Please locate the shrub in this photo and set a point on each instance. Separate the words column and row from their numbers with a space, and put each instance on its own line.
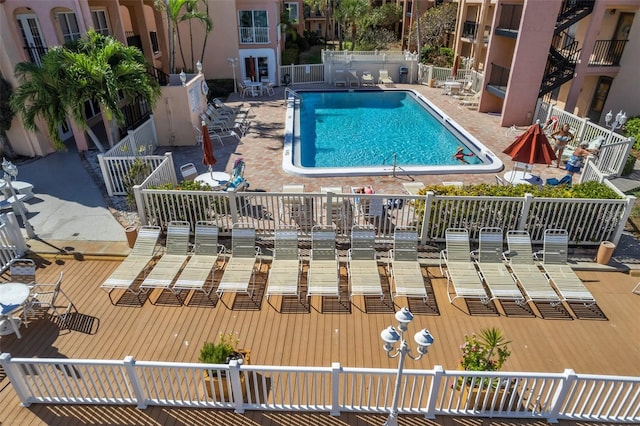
column 218, row 353
column 290, row 56
column 630, row 164
column 487, row 352
column 632, row 130
column 137, row 173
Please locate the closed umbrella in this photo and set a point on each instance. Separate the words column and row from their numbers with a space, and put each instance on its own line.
column 252, row 69
column 208, row 159
column 531, row 147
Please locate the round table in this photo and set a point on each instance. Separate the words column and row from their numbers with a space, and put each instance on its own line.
column 11, row 295
column 213, row 179
column 520, row 177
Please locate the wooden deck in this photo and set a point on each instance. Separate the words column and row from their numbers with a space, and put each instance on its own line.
column 603, row 340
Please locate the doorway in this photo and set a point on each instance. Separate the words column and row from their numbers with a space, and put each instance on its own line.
column 599, row 99
column 32, row 37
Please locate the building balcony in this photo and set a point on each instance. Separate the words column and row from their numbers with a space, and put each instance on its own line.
column 254, row 35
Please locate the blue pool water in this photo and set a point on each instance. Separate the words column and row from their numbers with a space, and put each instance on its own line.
column 376, row 132
column 351, row 129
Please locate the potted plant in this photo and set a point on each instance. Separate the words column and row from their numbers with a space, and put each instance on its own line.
column 222, row 352
column 485, row 352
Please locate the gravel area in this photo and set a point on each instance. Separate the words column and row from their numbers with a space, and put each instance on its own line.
column 117, row 205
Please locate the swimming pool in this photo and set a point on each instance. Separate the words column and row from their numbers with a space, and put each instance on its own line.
column 368, row 132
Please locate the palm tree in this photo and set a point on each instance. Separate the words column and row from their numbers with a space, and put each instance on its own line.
column 95, row 67
column 6, row 116
column 178, row 11
column 349, row 13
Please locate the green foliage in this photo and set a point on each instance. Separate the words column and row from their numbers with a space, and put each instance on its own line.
column 630, row 164
column 189, row 207
column 290, row 56
column 137, row 173
column 436, row 24
column 487, row 352
column 218, row 353
column 219, row 88
column 375, row 38
column 632, row 130
column 592, row 190
column 438, row 56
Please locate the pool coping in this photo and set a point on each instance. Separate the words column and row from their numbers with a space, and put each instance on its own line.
column 491, row 162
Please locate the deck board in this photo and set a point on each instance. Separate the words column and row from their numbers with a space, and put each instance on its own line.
column 313, row 337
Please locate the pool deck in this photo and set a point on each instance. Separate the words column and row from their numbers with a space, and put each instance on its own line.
column 262, row 146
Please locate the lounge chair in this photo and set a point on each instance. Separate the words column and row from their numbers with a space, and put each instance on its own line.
column 337, row 208
column 294, row 209
column 339, row 78
column 463, row 280
column 241, row 268
column 367, row 79
column 284, row 274
column 354, row 80
column 471, row 100
column 404, row 269
column 384, row 77
column 323, row 276
column 364, row 279
column 369, row 208
column 412, row 188
column 203, row 261
column 533, row 282
column 490, row 262
column 554, row 263
column 167, row 268
column 135, row 264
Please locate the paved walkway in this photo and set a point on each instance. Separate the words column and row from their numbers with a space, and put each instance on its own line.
column 68, row 211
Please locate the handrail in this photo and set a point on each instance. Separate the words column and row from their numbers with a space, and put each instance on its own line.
column 395, row 161
column 292, row 92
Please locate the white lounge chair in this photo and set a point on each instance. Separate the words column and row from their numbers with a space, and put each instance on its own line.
column 135, row 264
column 384, row 77
column 354, row 80
column 490, row 262
column 367, row 78
column 463, row 280
column 284, row 274
column 404, row 269
column 533, row 282
column 203, row 261
column 364, row 278
column 167, row 268
column 339, row 78
column 554, row 263
column 241, row 268
column 323, row 275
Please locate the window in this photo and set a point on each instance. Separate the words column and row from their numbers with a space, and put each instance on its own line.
column 154, row 41
column 68, row 26
column 253, row 26
column 293, row 12
column 33, row 42
column 100, row 23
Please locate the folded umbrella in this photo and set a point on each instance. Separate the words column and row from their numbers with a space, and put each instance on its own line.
column 531, row 147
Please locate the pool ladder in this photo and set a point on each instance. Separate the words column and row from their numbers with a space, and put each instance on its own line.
column 291, row 92
column 395, row 161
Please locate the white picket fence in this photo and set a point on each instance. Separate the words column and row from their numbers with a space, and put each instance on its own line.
column 335, row 389
column 12, row 243
column 588, row 221
column 116, row 163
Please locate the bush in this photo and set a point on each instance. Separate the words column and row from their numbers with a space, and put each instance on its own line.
column 290, row 56
column 632, row 130
column 440, row 57
column 220, row 88
column 630, row 164
column 218, row 353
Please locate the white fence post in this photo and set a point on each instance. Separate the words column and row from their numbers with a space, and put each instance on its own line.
column 561, row 395
column 130, row 368
column 13, row 229
column 623, row 220
column 336, row 371
column 106, row 176
column 438, row 374
column 528, row 199
column 236, row 386
column 426, row 218
column 172, row 169
column 137, row 194
column 15, row 374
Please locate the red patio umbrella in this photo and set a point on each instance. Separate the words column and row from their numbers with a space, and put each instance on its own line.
column 208, row 158
column 456, row 65
column 251, row 69
column 531, row 147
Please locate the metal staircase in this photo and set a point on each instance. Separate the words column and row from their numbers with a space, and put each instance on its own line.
column 564, row 51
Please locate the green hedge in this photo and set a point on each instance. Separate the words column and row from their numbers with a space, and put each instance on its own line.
column 630, row 164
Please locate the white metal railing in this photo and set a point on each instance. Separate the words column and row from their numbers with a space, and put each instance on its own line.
column 12, row 243
column 250, row 35
column 588, row 221
column 335, row 389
